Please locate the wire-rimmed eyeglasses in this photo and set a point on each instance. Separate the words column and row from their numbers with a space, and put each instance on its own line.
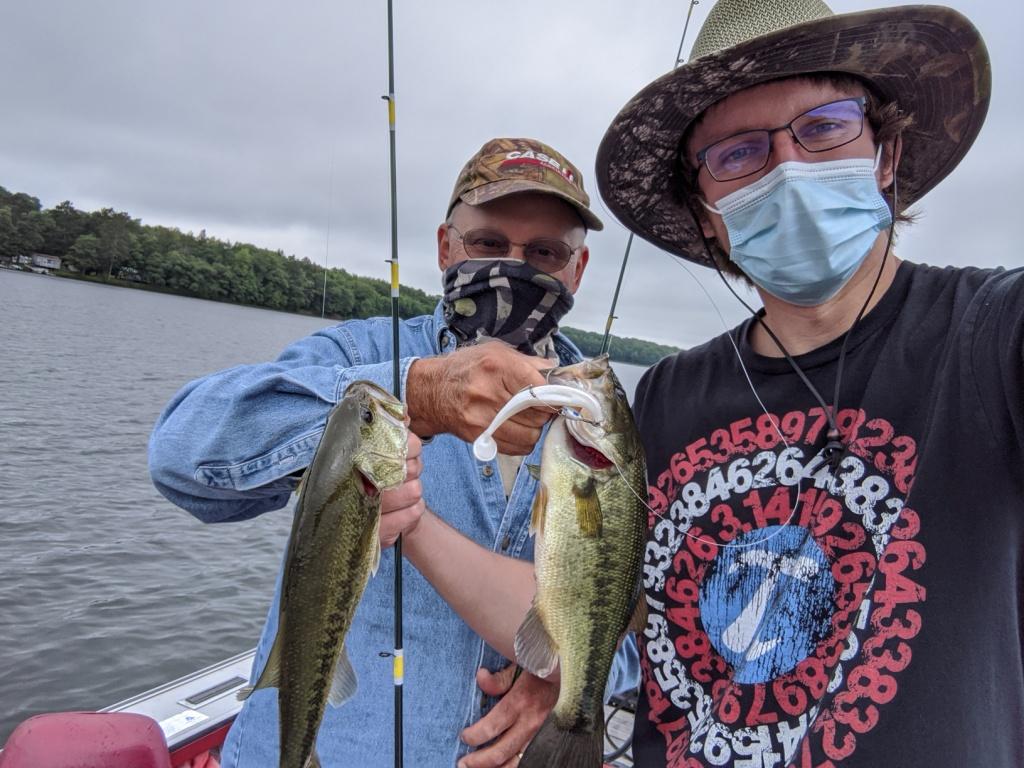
column 547, row 254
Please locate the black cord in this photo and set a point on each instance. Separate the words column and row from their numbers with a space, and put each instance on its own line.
column 618, row 750
column 834, row 449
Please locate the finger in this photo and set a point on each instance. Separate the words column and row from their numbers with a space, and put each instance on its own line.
column 413, row 469
column 490, row 726
column 496, row 683
column 534, row 417
column 515, row 436
column 414, row 447
column 503, row 751
column 396, row 523
column 408, row 494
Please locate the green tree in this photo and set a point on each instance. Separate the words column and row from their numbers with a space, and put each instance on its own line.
column 66, row 225
column 86, row 254
column 116, row 231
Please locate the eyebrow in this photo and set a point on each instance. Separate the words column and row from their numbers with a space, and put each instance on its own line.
column 727, row 134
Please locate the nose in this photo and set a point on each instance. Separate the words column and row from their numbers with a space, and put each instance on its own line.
column 784, row 148
column 516, row 251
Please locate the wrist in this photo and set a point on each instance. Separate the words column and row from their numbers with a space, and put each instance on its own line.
column 421, row 388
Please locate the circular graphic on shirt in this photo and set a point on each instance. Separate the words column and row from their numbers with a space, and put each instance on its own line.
column 766, row 603
column 782, row 590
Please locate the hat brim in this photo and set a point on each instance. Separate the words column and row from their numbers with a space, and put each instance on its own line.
column 495, row 189
column 929, row 59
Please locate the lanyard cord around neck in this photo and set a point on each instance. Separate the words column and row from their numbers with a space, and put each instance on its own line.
column 834, row 449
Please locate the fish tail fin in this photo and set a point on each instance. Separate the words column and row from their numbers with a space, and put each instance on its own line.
column 553, row 747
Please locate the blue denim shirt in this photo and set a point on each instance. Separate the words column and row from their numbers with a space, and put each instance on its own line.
column 227, row 448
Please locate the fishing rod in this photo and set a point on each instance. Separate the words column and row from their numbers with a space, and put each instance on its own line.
column 606, row 342
column 398, row 661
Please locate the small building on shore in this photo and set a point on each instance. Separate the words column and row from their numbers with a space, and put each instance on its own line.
column 45, row 262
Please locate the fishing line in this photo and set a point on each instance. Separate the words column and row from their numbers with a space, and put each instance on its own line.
column 607, row 340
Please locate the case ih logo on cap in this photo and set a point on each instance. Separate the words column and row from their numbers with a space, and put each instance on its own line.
column 529, row 157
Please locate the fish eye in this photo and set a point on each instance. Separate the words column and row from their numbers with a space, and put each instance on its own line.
column 367, row 416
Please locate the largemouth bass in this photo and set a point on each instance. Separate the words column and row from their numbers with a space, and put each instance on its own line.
column 590, row 521
column 332, row 551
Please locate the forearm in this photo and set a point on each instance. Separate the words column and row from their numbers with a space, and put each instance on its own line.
column 231, row 445
column 491, row 592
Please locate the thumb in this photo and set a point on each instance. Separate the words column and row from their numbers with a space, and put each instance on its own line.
column 496, row 683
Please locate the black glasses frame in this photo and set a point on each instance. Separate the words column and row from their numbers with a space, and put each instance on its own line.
column 702, row 155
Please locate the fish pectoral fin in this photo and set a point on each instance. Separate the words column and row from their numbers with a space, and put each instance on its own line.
column 375, row 553
column 588, row 508
column 344, row 684
column 313, row 761
column 301, row 485
column 534, row 470
column 270, row 677
column 540, row 504
column 535, row 650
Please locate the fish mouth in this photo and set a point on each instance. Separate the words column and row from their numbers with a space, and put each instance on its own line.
column 587, row 454
column 369, row 489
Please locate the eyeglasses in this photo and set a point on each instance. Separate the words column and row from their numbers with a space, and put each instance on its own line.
column 818, row 130
column 545, row 253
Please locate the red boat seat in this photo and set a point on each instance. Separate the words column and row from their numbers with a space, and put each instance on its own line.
column 86, row 740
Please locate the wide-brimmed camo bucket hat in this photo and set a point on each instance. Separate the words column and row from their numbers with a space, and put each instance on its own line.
column 930, row 60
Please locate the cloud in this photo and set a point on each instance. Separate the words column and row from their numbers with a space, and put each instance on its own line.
column 262, row 121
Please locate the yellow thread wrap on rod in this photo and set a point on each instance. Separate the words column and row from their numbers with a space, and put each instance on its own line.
column 394, row 277
column 391, row 110
column 398, row 671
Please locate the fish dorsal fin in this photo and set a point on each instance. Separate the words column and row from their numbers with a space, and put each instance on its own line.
column 534, row 470
column 535, row 650
column 540, row 505
column 588, row 508
column 270, row 677
column 344, row 684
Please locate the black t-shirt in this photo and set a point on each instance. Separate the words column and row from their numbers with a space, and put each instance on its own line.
column 877, row 622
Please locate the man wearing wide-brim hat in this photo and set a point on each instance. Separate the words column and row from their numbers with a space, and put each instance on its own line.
column 833, row 575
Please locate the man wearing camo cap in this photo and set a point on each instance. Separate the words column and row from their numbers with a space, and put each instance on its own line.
column 233, row 444
column 834, row 570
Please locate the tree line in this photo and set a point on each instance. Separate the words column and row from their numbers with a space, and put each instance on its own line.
column 113, row 246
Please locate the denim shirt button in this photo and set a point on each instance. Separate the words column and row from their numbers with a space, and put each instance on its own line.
column 488, row 470
column 506, row 542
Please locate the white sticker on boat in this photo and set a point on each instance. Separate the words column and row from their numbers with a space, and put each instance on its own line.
column 179, row 722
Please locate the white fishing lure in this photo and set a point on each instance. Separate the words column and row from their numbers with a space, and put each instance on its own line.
column 554, row 395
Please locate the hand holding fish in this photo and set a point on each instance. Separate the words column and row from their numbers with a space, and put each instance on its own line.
column 460, row 393
column 402, row 507
column 525, row 702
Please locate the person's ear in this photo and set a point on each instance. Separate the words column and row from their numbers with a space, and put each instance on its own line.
column 889, row 162
column 444, row 245
column 580, row 268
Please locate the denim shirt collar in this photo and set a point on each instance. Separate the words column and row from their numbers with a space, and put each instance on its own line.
column 444, row 340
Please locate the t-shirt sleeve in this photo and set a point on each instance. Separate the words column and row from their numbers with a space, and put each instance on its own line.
column 996, row 358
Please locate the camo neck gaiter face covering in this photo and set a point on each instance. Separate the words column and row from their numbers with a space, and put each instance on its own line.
column 504, row 299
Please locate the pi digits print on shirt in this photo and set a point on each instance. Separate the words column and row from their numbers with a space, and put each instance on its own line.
column 776, row 638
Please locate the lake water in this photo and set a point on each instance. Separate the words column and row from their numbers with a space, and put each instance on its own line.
column 106, row 588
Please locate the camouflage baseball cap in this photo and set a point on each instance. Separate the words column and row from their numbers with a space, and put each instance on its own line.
column 510, row 166
column 930, row 60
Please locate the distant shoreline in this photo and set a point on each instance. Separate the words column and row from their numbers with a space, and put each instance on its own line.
column 588, row 342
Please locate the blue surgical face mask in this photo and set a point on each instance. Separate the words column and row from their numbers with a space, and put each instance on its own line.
column 802, row 230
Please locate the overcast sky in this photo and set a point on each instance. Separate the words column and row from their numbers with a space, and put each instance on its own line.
column 262, row 122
